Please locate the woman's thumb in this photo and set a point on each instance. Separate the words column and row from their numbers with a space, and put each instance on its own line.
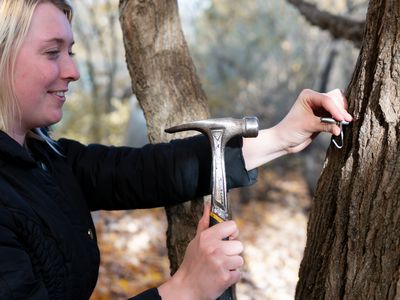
column 204, row 222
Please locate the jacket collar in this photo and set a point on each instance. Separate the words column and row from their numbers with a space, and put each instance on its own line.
column 11, row 150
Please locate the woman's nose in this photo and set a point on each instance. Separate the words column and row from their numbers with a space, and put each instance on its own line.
column 70, row 70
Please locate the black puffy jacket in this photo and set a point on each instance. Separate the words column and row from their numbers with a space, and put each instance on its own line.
column 48, row 247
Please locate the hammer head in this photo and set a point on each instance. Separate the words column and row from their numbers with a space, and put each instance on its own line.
column 246, row 127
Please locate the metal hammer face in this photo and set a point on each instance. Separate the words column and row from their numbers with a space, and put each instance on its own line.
column 219, row 132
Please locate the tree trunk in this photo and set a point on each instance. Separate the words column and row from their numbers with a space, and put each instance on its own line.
column 353, row 246
column 165, row 82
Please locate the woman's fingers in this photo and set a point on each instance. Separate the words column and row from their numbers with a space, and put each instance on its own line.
column 338, row 98
column 211, row 260
column 228, row 230
column 332, row 103
column 234, row 262
column 235, row 235
column 231, row 247
column 320, row 126
column 235, row 276
column 225, row 230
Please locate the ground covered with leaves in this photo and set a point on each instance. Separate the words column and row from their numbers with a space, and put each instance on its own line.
column 272, row 217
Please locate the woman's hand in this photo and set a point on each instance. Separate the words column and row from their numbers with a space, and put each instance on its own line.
column 303, row 122
column 298, row 128
column 210, row 263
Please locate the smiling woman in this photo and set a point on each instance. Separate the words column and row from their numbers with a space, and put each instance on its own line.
column 45, row 61
column 48, row 244
column 18, row 64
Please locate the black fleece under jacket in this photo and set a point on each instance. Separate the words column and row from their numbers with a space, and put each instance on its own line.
column 48, row 245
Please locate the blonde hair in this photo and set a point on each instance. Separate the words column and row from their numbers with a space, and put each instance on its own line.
column 15, row 19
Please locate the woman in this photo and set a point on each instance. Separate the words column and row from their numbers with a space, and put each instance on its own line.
column 48, row 246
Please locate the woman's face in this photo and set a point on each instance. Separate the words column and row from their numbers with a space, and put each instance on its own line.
column 44, row 68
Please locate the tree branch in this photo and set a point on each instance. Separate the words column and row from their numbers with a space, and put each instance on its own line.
column 338, row 26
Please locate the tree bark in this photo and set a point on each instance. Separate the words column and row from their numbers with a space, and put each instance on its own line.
column 353, row 245
column 165, row 82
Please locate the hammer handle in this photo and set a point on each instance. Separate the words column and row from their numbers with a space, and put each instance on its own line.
column 229, row 293
column 213, row 221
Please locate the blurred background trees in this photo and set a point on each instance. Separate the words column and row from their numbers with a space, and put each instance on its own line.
column 253, row 58
column 99, row 107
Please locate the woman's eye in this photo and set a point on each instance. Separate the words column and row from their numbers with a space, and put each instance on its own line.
column 53, row 54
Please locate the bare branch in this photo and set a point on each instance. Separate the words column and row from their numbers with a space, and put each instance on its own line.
column 338, row 26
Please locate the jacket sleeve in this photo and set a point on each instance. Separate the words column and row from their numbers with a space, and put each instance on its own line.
column 155, row 175
column 17, row 280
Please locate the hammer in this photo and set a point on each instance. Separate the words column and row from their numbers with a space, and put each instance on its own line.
column 219, row 132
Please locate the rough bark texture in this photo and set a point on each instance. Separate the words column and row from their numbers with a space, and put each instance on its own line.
column 338, row 26
column 353, row 246
column 167, row 87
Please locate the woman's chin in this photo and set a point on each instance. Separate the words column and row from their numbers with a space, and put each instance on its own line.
column 57, row 116
column 54, row 119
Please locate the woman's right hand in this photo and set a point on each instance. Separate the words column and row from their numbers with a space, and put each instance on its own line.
column 210, row 264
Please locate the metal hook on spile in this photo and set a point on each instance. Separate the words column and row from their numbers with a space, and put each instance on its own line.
column 340, row 124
